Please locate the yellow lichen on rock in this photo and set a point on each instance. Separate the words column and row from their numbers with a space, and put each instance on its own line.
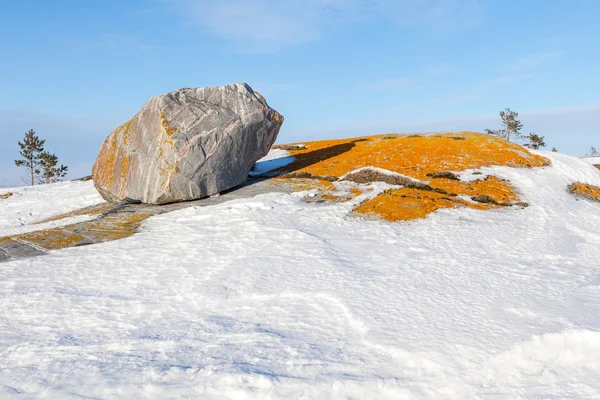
column 586, row 191
column 407, row 204
column 123, row 226
column 102, row 230
column 52, row 239
column 499, row 190
column 166, row 125
column 125, row 132
column 429, row 158
column 411, row 155
column 105, row 164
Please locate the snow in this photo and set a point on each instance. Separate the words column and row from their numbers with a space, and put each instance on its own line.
column 30, row 204
column 47, row 225
column 274, row 298
column 592, row 160
column 276, row 158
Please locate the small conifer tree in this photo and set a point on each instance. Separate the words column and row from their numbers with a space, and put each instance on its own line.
column 31, row 149
column 50, row 172
column 511, row 129
column 535, row 141
column 593, row 152
column 41, row 165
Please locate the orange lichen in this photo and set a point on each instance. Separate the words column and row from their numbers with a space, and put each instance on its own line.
column 298, row 184
column 105, row 164
column 412, row 155
column 166, row 125
column 105, row 229
column 104, row 168
column 356, row 192
column 125, row 132
column 425, row 157
column 52, row 239
column 497, row 189
column 119, row 227
column 406, row 204
column 586, row 191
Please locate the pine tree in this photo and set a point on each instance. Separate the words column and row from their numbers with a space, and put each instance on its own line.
column 555, row 150
column 593, row 152
column 31, row 149
column 535, row 141
column 50, row 172
column 511, row 126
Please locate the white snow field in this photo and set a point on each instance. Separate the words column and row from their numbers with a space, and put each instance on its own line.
column 30, row 204
column 275, row 298
column 592, row 160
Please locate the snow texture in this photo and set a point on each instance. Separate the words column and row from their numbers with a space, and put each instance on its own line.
column 30, row 204
column 276, row 158
column 592, row 160
column 274, row 298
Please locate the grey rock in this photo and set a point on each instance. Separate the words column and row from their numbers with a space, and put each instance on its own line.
column 186, row 145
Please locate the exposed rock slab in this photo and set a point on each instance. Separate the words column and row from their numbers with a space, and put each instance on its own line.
column 186, row 145
column 115, row 221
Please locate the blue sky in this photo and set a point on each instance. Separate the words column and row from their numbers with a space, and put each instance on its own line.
column 74, row 70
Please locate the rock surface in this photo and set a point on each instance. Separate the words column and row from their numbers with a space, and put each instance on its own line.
column 186, row 145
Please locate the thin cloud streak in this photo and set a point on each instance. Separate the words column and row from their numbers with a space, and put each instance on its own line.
column 267, row 25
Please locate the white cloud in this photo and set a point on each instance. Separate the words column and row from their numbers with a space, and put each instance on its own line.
column 271, row 24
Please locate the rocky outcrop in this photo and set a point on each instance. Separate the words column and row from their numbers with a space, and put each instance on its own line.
column 186, row 145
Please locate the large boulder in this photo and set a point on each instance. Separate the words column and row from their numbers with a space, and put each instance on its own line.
column 186, row 145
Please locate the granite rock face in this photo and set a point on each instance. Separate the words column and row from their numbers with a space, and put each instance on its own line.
column 186, row 145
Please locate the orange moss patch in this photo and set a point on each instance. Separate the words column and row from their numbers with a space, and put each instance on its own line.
column 424, row 157
column 586, row 191
column 412, row 155
column 497, row 189
column 356, row 192
column 406, row 204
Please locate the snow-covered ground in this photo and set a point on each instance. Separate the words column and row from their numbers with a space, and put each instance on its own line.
column 30, row 204
column 592, row 160
column 271, row 298
column 276, row 158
